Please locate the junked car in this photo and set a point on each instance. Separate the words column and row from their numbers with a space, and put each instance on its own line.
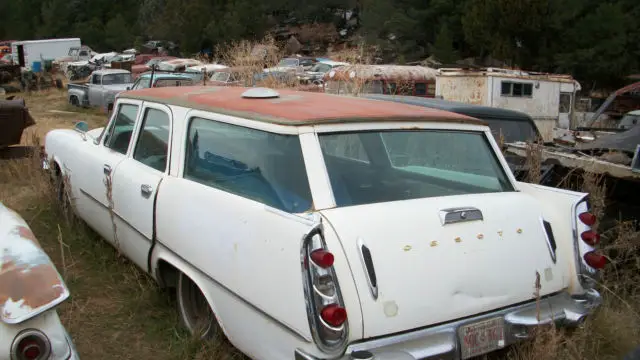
column 14, row 118
column 138, row 69
column 178, row 64
column 398, row 231
column 30, row 290
column 101, row 89
column 316, row 73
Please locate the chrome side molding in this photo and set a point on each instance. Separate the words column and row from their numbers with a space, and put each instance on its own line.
column 367, row 264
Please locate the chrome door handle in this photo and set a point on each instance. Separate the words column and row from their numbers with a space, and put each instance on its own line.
column 145, row 190
column 107, row 169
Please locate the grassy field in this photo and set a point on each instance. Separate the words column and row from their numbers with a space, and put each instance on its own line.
column 116, row 311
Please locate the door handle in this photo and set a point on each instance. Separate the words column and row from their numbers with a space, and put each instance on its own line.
column 107, row 169
column 145, row 190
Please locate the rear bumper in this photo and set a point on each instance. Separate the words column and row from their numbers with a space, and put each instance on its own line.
column 442, row 342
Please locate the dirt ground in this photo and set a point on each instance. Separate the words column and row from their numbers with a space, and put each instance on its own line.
column 117, row 312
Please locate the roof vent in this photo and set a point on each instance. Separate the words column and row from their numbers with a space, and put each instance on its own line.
column 260, row 93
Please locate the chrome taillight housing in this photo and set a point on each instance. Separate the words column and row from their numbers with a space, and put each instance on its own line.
column 30, row 345
column 325, row 307
column 588, row 259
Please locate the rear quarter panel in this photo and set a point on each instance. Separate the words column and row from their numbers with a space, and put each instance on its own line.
column 557, row 206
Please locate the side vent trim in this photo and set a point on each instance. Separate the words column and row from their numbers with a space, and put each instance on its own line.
column 367, row 263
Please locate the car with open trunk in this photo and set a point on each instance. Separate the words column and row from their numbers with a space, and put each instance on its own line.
column 313, row 226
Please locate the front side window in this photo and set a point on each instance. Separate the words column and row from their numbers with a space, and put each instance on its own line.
column 412, row 164
column 141, row 83
column 257, row 165
column 221, row 76
column 119, row 134
column 153, row 142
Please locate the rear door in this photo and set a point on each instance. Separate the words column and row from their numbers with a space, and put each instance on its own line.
column 136, row 182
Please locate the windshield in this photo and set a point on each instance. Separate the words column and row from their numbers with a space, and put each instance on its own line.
column 628, row 121
column 392, row 165
column 319, row 67
column 220, row 76
column 288, row 63
column 113, row 79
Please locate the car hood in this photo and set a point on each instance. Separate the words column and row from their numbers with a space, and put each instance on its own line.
column 29, row 282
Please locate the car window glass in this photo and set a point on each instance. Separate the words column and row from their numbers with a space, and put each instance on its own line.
column 153, row 142
column 258, row 165
column 119, row 136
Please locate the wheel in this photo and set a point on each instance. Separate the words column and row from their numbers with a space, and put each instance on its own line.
column 194, row 310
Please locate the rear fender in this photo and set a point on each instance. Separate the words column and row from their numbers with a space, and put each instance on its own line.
column 558, row 206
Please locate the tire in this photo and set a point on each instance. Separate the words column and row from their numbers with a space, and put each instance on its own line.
column 194, row 310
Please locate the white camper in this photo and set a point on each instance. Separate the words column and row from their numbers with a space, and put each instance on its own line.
column 548, row 98
column 40, row 50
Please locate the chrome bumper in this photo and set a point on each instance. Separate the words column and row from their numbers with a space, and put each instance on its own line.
column 441, row 341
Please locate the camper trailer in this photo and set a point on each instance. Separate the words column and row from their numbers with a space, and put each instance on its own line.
column 548, row 98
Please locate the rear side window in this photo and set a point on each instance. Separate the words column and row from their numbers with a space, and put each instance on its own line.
column 119, row 134
column 254, row 164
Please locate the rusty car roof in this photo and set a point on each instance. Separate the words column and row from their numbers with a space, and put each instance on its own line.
column 389, row 72
column 292, row 107
column 29, row 282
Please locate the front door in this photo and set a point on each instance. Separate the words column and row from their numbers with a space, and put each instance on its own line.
column 94, row 90
column 96, row 167
column 136, row 182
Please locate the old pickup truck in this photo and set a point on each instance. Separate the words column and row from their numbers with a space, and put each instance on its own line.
column 101, row 89
column 312, row 226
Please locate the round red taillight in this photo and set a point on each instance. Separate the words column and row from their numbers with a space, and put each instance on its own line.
column 587, row 218
column 590, row 237
column 595, row 260
column 322, row 258
column 29, row 349
column 334, row 315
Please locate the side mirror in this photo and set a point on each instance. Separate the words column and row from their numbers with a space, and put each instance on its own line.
column 82, row 126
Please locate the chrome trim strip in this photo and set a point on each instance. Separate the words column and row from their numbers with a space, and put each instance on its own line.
column 460, row 214
column 442, row 341
column 373, row 288
column 546, row 236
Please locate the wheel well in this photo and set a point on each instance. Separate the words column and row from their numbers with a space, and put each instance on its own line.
column 72, row 98
column 167, row 274
column 110, row 107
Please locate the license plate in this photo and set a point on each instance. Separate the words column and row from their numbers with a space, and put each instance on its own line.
column 481, row 337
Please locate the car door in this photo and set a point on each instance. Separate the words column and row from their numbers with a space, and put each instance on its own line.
column 94, row 89
column 136, row 181
column 95, row 168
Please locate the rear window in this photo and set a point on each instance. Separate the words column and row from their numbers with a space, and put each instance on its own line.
column 379, row 166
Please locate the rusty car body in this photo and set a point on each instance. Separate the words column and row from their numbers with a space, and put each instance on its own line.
column 381, row 79
column 14, row 118
column 30, row 290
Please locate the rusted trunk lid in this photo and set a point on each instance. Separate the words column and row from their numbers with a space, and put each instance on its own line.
column 29, row 282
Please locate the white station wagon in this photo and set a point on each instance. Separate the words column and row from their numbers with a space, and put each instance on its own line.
column 313, row 226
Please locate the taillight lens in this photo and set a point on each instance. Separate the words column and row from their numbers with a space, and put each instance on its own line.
column 334, row 315
column 595, row 260
column 322, row 258
column 590, row 237
column 31, row 345
column 587, row 218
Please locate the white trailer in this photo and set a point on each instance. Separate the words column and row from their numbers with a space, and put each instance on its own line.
column 548, row 98
column 40, row 50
